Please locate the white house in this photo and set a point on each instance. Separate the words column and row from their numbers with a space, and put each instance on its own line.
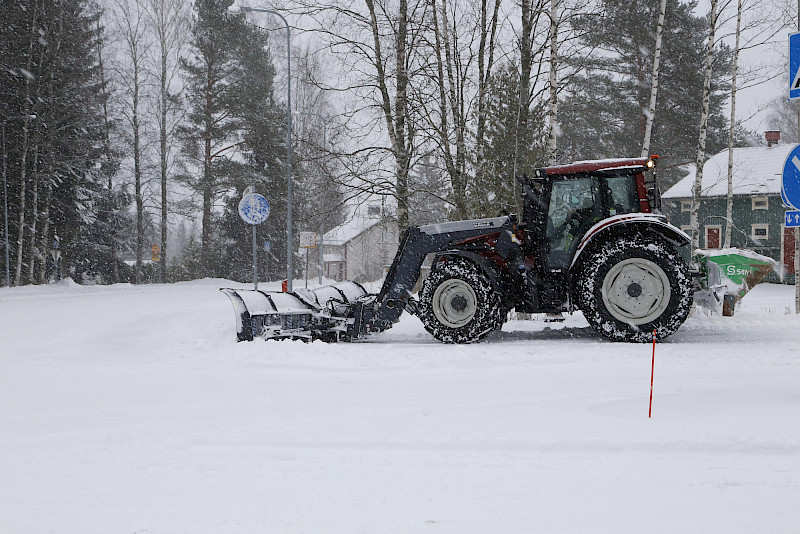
column 363, row 248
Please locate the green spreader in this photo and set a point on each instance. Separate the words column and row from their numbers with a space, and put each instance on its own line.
column 727, row 275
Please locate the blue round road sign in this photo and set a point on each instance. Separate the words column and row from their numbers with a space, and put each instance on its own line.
column 253, row 209
column 790, row 186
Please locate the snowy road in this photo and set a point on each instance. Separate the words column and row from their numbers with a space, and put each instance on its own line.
column 130, row 409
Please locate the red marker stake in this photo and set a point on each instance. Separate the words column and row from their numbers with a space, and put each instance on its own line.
column 652, row 369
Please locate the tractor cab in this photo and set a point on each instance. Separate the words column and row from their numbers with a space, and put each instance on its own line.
column 564, row 202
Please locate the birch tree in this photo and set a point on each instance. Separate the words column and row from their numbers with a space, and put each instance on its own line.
column 760, row 28
column 486, row 61
column 552, row 113
column 450, row 81
column 26, row 118
column 396, row 113
column 731, row 129
column 651, row 111
column 169, row 22
column 697, row 189
column 131, row 69
column 377, row 45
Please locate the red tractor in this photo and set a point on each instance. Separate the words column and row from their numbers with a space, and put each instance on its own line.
column 590, row 240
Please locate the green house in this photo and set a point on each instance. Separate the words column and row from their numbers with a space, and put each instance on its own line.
column 758, row 212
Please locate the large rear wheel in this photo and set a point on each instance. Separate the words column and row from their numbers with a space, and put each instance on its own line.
column 632, row 287
column 458, row 303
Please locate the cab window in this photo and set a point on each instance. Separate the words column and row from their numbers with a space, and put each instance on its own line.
column 622, row 195
column 575, row 206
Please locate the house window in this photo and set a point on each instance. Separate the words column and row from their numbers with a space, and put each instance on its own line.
column 686, row 205
column 760, row 203
column 687, row 230
column 374, row 211
column 759, row 232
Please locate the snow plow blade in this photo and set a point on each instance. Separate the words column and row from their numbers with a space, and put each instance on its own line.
column 327, row 313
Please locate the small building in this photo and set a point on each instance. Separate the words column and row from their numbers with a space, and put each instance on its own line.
column 363, row 248
column 758, row 212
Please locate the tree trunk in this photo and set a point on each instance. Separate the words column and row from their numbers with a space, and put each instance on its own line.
column 137, row 172
column 523, row 111
column 459, row 200
column 107, row 147
column 731, row 129
column 459, row 177
column 26, row 118
column 485, row 64
column 208, row 193
column 701, row 142
column 395, row 115
column 33, row 251
column 654, row 86
column 162, row 127
column 552, row 113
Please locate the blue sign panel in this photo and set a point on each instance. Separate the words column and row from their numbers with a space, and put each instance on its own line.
column 792, row 219
column 794, row 66
column 790, row 186
column 253, row 209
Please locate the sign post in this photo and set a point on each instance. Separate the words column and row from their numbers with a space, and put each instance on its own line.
column 794, row 93
column 790, row 194
column 254, row 210
column 308, row 240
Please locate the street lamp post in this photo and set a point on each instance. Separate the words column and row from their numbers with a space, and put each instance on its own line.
column 5, row 191
column 237, row 10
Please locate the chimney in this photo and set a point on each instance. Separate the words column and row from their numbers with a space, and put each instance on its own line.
column 772, row 136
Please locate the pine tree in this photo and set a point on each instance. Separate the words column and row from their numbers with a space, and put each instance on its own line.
column 49, row 51
column 209, row 135
column 235, row 136
column 263, row 140
column 496, row 194
column 603, row 111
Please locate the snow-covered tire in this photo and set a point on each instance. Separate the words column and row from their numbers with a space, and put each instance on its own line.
column 631, row 287
column 458, row 304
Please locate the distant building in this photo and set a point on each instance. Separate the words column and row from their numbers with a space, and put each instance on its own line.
column 758, row 212
column 363, row 248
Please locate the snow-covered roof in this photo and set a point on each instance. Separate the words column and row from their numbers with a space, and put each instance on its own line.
column 349, row 230
column 756, row 171
column 362, row 218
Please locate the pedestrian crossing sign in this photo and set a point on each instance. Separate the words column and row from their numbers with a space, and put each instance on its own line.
column 794, row 65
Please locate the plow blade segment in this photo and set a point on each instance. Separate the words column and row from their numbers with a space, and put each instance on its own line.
column 269, row 314
column 304, row 314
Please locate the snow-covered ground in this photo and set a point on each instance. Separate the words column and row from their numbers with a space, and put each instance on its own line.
column 131, row 409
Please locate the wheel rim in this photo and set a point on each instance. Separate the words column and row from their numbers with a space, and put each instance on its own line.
column 454, row 303
column 636, row 291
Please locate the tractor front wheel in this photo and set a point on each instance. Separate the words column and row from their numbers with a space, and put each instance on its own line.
column 632, row 287
column 458, row 304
